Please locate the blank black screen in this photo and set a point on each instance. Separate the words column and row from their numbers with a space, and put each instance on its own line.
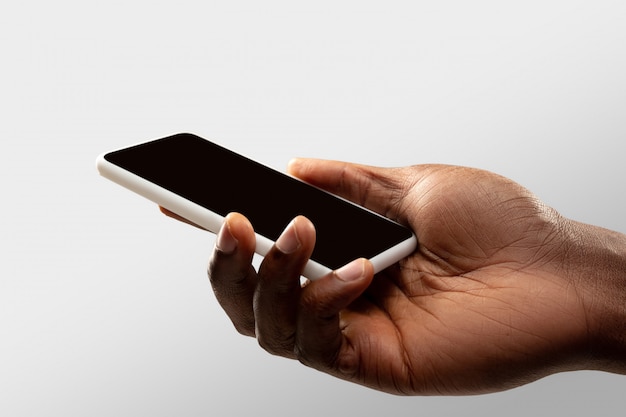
column 223, row 181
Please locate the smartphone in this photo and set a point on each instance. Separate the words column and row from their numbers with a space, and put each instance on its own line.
column 203, row 182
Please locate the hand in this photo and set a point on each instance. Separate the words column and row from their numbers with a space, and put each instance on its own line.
column 494, row 297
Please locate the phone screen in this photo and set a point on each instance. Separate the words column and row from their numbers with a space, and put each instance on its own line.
column 223, row 182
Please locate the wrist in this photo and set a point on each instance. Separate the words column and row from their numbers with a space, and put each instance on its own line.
column 598, row 262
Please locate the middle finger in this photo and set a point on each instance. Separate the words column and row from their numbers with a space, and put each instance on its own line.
column 278, row 290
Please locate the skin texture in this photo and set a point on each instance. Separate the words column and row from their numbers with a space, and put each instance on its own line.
column 501, row 291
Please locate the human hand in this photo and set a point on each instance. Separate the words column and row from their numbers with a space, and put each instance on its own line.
column 495, row 296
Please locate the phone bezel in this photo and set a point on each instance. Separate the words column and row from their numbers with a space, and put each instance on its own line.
column 213, row 221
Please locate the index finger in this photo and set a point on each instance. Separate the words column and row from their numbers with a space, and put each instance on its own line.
column 231, row 273
column 175, row 216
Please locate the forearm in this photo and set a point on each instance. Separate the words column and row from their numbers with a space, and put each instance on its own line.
column 599, row 258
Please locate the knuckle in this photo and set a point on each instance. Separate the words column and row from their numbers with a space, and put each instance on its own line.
column 314, row 305
column 303, row 356
column 245, row 328
column 284, row 348
column 321, row 359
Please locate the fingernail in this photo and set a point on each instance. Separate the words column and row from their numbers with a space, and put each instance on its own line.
column 352, row 271
column 225, row 242
column 288, row 241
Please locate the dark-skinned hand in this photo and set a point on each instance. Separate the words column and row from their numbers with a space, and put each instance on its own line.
column 501, row 291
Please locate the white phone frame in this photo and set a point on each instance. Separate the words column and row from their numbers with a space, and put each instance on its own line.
column 212, row 221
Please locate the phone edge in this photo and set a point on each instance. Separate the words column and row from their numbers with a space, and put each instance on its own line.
column 191, row 211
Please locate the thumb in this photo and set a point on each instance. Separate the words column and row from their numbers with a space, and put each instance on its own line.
column 378, row 189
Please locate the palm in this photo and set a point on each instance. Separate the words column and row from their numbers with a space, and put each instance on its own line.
column 484, row 304
column 476, row 298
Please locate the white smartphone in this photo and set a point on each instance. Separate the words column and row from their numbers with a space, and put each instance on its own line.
column 203, row 182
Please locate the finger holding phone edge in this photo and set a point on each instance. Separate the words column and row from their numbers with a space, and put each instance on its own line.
column 320, row 341
column 278, row 290
column 231, row 273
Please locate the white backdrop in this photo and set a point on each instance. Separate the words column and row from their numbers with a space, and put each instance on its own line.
column 105, row 308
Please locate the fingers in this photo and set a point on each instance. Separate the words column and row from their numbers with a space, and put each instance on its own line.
column 177, row 217
column 264, row 304
column 378, row 189
column 320, row 341
column 286, row 318
column 278, row 289
column 231, row 273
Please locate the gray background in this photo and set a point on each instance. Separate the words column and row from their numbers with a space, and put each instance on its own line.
column 105, row 308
